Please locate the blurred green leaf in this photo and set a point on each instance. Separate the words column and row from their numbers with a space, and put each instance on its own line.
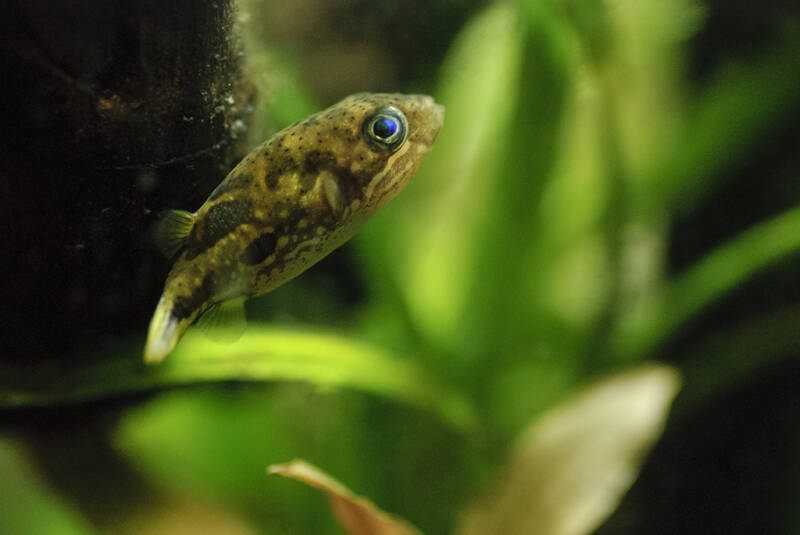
column 537, row 226
column 430, row 245
column 645, row 77
column 289, row 101
column 517, row 237
column 720, row 126
column 644, row 326
column 626, row 92
column 185, row 516
column 27, row 506
column 730, row 359
column 262, row 354
column 569, row 470
column 212, row 443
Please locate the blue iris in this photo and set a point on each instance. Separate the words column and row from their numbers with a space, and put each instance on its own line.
column 385, row 127
column 385, row 130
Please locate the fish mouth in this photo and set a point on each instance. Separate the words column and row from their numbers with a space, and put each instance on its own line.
column 436, row 118
column 435, row 112
column 438, row 112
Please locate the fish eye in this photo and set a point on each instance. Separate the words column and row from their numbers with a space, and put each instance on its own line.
column 386, row 129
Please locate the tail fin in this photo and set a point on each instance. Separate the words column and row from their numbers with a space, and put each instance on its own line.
column 164, row 332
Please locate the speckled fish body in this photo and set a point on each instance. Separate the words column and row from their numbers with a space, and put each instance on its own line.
column 290, row 202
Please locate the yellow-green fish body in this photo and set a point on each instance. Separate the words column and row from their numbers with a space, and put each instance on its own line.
column 288, row 203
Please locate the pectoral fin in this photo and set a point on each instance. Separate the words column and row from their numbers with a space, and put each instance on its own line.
column 172, row 231
column 224, row 322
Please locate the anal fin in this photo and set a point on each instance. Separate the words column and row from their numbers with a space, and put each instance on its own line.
column 224, row 322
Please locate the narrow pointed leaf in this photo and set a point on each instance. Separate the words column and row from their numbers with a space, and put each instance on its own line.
column 429, row 248
column 647, row 324
column 28, row 506
column 262, row 354
column 357, row 514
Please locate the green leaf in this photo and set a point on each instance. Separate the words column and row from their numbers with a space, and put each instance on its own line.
column 624, row 94
column 653, row 319
column 570, row 469
column 741, row 104
column 27, row 505
column 262, row 354
column 734, row 358
column 429, row 243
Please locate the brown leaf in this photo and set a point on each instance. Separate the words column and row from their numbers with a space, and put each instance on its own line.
column 570, row 469
column 357, row 514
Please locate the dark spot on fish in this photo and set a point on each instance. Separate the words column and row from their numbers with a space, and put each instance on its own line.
column 282, row 165
column 259, row 249
column 363, row 176
column 220, row 220
column 224, row 217
column 271, row 178
column 185, row 306
column 350, row 184
column 315, row 161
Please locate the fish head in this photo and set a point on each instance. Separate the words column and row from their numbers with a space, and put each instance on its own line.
column 374, row 143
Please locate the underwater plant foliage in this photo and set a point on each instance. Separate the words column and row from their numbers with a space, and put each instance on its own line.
column 608, row 220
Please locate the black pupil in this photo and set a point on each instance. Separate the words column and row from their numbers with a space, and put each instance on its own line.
column 384, row 127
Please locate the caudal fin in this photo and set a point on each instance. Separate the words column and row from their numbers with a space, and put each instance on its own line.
column 164, row 332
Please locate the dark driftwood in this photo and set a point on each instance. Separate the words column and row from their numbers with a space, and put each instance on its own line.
column 111, row 112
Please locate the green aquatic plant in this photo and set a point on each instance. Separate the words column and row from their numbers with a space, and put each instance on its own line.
column 527, row 257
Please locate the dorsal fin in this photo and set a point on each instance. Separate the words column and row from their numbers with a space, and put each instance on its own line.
column 172, row 231
column 224, row 322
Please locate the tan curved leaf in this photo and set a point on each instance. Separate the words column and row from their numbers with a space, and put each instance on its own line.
column 570, row 468
column 357, row 514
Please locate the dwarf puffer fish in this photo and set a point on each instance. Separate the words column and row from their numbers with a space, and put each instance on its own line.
column 287, row 204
